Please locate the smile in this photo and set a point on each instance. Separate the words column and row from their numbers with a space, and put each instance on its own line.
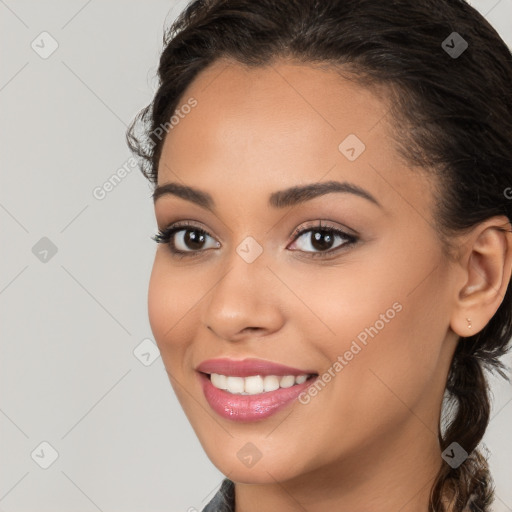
column 255, row 384
column 242, row 406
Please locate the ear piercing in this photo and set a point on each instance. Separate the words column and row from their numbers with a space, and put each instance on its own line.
column 469, row 323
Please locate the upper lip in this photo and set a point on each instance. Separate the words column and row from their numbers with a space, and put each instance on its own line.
column 247, row 367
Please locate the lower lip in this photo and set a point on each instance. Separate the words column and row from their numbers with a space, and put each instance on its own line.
column 245, row 408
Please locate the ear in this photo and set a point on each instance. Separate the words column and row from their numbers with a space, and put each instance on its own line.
column 486, row 264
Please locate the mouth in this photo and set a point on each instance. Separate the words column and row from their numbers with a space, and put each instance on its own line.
column 256, row 384
column 239, row 405
column 251, row 389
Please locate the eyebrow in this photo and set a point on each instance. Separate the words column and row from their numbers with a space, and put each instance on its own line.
column 280, row 199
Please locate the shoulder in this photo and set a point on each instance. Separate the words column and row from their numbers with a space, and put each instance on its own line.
column 224, row 499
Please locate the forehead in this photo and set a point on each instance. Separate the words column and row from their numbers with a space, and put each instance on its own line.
column 287, row 105
column 266, row 128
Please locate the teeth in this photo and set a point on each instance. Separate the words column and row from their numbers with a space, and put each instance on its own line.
column 287, row 381
column 235, row 384
column 301, row 378
column 255, row 384
column 251, row 385
column 270, row 383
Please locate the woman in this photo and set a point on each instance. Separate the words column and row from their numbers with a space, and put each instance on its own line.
column 332, row 192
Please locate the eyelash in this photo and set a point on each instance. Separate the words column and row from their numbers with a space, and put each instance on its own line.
column 165, row 236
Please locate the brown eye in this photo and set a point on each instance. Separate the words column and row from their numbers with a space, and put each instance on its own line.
column 191, row 239
column 186, row 239
column 321, row 239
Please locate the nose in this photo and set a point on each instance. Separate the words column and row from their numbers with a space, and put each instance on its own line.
column 244, row 303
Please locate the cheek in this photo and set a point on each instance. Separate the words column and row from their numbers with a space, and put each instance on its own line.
column 397, row 369
column 171, row 315
column 160, row 308
column 170, row 306
column 389, row 337
column 345, row 304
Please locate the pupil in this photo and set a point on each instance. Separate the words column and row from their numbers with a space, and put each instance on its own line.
column 322, row 240
column 194, row 239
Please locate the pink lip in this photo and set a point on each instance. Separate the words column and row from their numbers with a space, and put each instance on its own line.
column 246, row 408
column 247, row 367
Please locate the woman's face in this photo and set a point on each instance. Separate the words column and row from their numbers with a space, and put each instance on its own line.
column 369, row 309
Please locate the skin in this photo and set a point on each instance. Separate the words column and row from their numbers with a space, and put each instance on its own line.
column 368, row 440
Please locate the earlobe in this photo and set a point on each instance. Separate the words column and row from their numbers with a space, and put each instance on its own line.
column 487, row 268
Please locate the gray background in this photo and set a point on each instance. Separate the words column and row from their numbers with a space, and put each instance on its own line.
column 72, row 374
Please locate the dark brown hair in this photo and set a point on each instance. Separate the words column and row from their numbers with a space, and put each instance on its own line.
column 450, row 114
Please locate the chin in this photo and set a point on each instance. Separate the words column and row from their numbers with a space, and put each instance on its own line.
column 266, row 470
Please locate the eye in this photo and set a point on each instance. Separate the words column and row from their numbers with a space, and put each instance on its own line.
column 192, row 240
column 321, row 239
column 185, row 238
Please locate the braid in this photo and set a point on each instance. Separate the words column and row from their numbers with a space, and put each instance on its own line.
column 468, row 487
